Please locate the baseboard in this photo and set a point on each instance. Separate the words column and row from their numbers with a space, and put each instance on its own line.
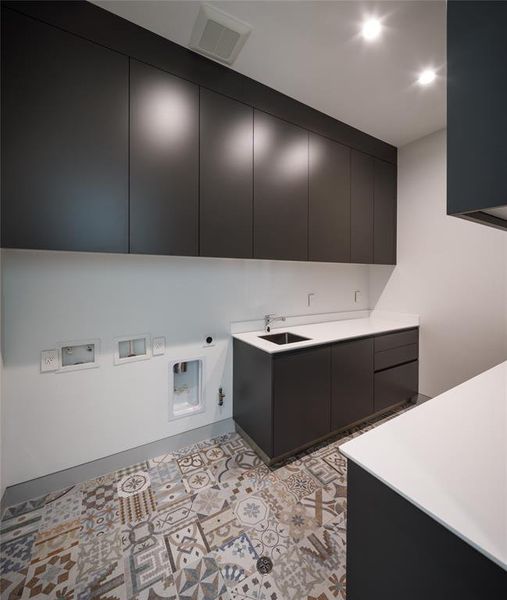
column 56, row 481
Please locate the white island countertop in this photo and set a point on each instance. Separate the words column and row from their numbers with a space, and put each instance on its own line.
column 448, row 457
column 329, row 331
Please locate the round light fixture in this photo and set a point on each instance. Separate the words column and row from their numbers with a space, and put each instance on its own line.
column 371, row 29
column 426, row 77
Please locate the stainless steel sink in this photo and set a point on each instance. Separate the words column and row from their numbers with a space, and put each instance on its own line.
column 283, row 338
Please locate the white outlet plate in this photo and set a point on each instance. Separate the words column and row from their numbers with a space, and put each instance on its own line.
column 49, row 361
column 158, row 346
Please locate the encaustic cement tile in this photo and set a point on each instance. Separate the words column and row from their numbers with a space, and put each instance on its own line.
column 236, row 559
column 108, row 583
column 18, row 531
column 221, row 528
column 198, row 480
column 53, row 577
column 256, row 587
column 186, row 545
column 58, row 538
column 201, row 581
column 209, row 502
column 145, row 568
column 95, row 553
column 12, row 584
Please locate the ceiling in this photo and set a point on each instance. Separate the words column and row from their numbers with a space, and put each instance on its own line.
column 312, row 51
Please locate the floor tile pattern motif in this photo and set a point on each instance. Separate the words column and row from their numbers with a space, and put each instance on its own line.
column 188, row 525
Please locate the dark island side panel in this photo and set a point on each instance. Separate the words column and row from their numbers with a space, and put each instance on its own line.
column 397, row 552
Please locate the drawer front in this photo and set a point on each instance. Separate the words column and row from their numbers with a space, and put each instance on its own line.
column 396, row 356
column 396, row 385
column 393, row 340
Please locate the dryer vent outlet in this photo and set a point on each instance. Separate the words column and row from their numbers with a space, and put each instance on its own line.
column 218, row 35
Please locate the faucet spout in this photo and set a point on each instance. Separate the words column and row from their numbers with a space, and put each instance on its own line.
column 268, row 319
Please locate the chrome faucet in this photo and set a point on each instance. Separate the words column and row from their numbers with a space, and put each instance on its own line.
column 268, row 319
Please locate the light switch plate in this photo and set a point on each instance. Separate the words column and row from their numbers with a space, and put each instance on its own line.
column 49, row 361
column 158, row 346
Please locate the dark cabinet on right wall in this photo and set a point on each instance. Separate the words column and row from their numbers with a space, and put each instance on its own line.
column 373, row 210
column 476, row 111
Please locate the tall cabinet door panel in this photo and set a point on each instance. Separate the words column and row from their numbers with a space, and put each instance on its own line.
column 352, row 382
column 280, row 189
column 329, row 201
column 362, row 208
column 301, row 397
column 164, row 162
column 384, row 231
column 226, row 172
column 64, row 140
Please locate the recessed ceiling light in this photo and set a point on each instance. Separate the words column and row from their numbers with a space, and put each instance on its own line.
column 426, row 77
column 371, row 29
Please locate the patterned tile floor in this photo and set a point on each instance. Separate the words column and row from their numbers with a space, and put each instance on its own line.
column 189, row 525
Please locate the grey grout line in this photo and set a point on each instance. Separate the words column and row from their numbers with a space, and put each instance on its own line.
column 55, row 481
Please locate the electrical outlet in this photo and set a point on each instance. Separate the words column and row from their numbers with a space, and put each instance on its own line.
column 357, row 296
column 158, row 346
column 49, row 361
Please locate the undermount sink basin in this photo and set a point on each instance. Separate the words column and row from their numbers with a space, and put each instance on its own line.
column 283, row 338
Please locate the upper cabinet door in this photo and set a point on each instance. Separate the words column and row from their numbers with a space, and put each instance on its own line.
column 280, row 189
column 362, row 212
column 329, row 201
column 226, row 168
column 384, row 236
column 164, row 162
column 64, row 140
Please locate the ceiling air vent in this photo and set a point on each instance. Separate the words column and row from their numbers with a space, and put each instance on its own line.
column 218, row 35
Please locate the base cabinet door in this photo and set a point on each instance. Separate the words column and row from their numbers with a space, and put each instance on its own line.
column 396, row 385
column 301, row 398
column 352, row 382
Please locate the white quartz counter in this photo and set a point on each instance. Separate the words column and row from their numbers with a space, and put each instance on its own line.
column 448, row 457
column 330, row 331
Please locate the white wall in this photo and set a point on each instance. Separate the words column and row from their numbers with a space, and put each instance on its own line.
column 53, row 421
column 451, row 272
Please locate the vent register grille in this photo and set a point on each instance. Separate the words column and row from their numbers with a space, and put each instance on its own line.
column 218, row 35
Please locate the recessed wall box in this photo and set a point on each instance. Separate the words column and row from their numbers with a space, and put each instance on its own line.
column 186, row 393
column 78, row 355
column 131, row 348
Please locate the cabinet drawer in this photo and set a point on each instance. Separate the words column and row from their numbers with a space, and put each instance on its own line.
column 393, row 340
column 396, row 356
column 396, row 385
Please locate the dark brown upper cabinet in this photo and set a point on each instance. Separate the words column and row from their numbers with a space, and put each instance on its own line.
column 226, row 177
column 164, row 162
column 362, row 183
column 64, row 140
column 329, row 200
column 280, row 189
column 384, row 221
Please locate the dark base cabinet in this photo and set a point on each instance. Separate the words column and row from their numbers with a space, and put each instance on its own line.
column 397, row 552
column 301, row 397
column 287, row 401
column 352, row 382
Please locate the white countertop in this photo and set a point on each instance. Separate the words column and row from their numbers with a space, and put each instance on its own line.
column 448, row 456
column 330, row 331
